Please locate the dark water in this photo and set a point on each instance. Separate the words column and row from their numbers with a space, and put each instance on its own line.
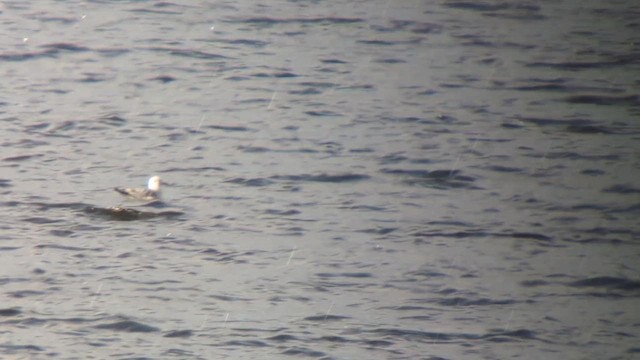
column 345, row 180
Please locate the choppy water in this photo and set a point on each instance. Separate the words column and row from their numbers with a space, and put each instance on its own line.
column 392, row 180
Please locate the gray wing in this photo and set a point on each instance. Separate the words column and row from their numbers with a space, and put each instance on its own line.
column 140, row 194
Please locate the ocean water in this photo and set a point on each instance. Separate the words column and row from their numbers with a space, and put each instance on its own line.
column 341, row 180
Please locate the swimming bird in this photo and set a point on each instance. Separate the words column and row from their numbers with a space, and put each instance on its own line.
column 152, row 192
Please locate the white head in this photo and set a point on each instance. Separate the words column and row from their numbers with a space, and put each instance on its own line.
column 154, row 183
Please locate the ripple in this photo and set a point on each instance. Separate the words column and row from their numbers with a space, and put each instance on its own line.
column 554, row 122
column 226, row 128
column 580, row 65
column 326, row 317
column 477, row 6
column 533, row 283
column 188, row 53
column 10, row 312
column 504, row 169
column 330, row 178
column 283, row 338
column 179, row 333
column 481, row 234
column 608, row 282
column 412, row 334
column 622, row 189
column 164, row 78
column 245, row 42
column 68, row 47
column 41, row 220
column 632, row 100
column 11, row 349
column 299, row 352
column 334, row 339
column 588, row 129
column 347, row 275
column 276, row 75
column 67, row 247
column 507, row 336
column 282, row 212
column 322, row 113
column 573, row 156
column 460, row 301
column 25, row 293
column 378, row 231
column 128, row 326
column 113, row 120
column 439, row 179
column 21, row 157
column 259, row 182
column 310, row 20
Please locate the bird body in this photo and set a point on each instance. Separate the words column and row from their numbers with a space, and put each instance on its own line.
column 151, row 193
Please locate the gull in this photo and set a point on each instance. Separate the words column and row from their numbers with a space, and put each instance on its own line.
column 152, row 192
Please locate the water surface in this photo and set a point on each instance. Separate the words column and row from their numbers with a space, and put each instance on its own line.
column 437, row 180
